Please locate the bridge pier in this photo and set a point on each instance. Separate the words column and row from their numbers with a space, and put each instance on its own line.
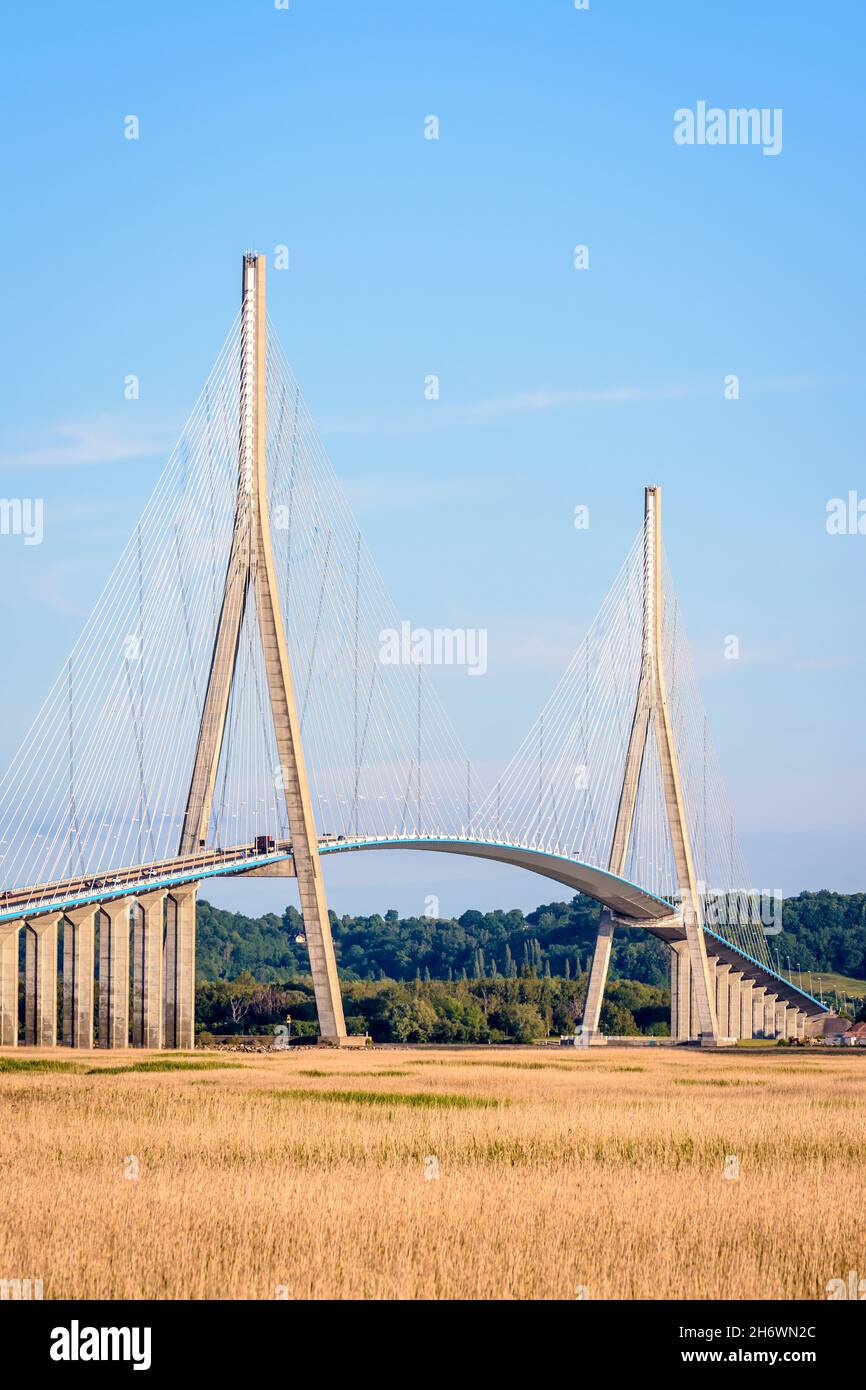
column 791, row 1021
column 746, row 988
column 735, row 983
column 770, row 1001
column 722, row 997
column 681, row 992
column 758, row 993
column 180, row 968
column 801, row 1021
column 114, row 974
column 694, row 1025
column 40, row 981
column 598, row 977
column 9, row 940
column 147, row 970
column 79, row 934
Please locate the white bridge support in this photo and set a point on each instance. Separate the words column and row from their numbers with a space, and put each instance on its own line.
column 79, row 938
column 114, row 974
column 148, row 932
column 722, row 973
column 652, row 716
column 10, row 935
column 40, row 981
column 781, row 1019
column 758, row 993
column 681, row 992
column 746, row 991
column 180, row 968
column 735, row 984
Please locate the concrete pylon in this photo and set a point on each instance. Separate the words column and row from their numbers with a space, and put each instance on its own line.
column 781, row 1018
column 791, row 1021
column 40, row 981
column 148, row 930
column 747, row 987
column 651, row 713
column 597, row 976
column 723, row 998
column 79, row 935
column 114, row 973
column 770, row 1001
column 802, row 1018
column 735, row 983
column 694, row 1032
column 681, row 992
column 758, row 994
column 179, row 967
column 10, row 935
column 251, row 571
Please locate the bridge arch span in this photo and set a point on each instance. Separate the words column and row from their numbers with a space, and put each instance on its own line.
column 619, row 894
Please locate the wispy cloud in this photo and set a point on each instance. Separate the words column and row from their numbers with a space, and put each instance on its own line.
column 82, row 443
column 440, row 415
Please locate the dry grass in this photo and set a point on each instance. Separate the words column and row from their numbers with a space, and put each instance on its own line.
column 594, row 1173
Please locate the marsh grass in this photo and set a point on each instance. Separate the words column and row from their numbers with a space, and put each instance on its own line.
column 599, row 1173
column 32, row 1065
column 424, row 1100
column 315, row 1072
column 518, row 1066
column 719, row 1081
column 162, row 1064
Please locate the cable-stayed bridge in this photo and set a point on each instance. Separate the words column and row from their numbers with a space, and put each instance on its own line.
column 228, row 710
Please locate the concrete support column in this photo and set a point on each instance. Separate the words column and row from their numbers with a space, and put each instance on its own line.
column 681, row 992
column 801, row 1024
column 781, row 1019
column 40, row 981
column 791, row 1022
column 180, row 967
column 9, row 939
column 758, row 993
column 79, row 935
column 770, row 1002
column 114, row 974
column 722, row 997
column 746, row 989
column 735, row 982
column 147, row 1000
column 598, row 976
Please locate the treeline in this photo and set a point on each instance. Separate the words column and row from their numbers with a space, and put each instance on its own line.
column 823, row 932
column 556, row 940
column 496, row 1010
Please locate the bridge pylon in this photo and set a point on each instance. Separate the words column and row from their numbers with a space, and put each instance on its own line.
column 251, row 577
column 652, row 718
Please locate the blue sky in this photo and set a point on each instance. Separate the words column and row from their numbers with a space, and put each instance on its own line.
column 262, row 127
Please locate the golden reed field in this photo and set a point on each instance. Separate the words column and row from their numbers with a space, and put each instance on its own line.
column 608, row 1174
